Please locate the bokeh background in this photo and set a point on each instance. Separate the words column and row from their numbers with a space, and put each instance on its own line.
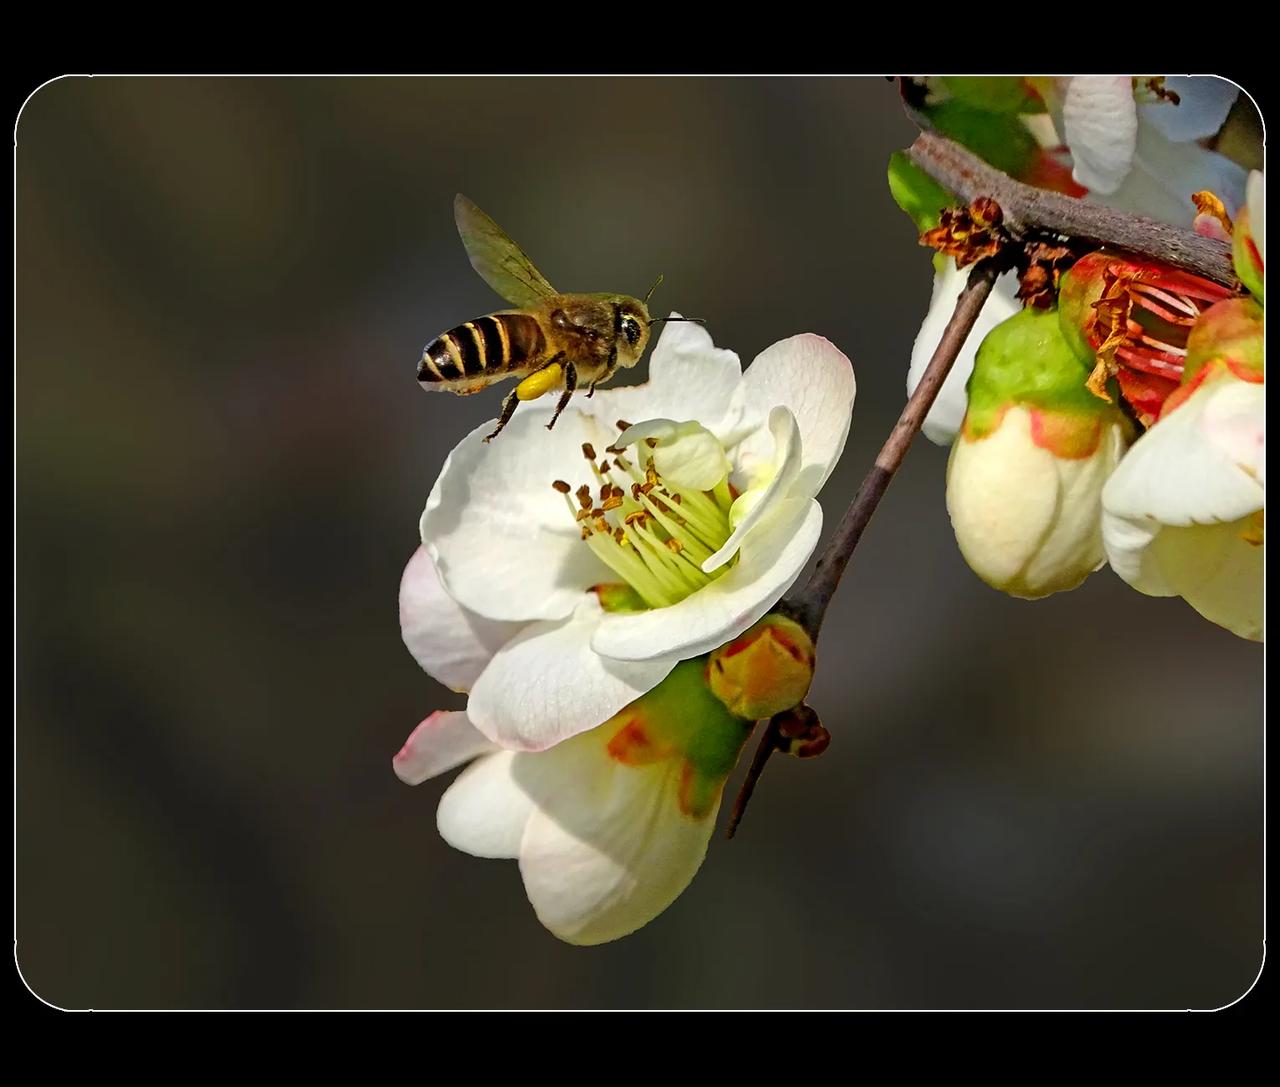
column 223, row 289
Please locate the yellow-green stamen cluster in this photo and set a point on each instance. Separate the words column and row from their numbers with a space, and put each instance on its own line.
column 652, row 536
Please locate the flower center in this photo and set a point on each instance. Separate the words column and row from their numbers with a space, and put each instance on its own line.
column 652, row 534
column 1143, row 321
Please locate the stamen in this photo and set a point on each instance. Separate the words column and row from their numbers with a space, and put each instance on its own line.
column 635, row 529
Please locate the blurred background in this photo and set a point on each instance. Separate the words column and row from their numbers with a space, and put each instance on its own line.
column 223, row 288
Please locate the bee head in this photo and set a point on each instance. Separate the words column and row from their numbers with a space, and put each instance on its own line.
column 633, row 331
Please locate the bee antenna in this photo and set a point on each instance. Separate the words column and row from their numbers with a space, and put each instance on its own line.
column 656, row 284
column 695, row 320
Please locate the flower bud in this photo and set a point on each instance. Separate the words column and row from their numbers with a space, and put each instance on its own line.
column 1248, row 239
column 1025, row 477
column 764, row 671
column 1231, row 331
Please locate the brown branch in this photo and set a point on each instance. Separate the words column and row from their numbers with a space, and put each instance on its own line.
column 809, row 605
column 1028, row 210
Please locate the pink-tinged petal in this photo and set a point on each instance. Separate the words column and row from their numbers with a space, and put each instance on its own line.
column 504, row 543
column 689, row 378
column 451, row 644
column 770, row 561
column 485, row 811
column 608, row 847
column 548, row 684
column 1100, row 125
column 947, row 413
column 1204, row 102
column 814, row 379
column 444, row 740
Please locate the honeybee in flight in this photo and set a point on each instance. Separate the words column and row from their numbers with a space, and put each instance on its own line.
column 552, row 341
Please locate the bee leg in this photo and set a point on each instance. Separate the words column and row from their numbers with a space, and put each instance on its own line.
column 570, row 383
column 508, row 410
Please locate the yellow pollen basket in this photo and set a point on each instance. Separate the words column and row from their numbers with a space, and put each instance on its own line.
column 541, row 383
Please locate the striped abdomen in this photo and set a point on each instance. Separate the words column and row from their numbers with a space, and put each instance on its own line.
column 482, row 350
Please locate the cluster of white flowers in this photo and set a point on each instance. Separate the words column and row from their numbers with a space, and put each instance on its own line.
column 571, row 582
column 1044, row 489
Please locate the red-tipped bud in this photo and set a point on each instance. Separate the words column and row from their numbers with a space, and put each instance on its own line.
column 764, row 671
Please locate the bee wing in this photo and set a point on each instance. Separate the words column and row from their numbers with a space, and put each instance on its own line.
column 501, row 263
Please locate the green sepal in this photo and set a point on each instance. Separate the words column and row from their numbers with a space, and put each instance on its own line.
column 683, row 712
column 1027, row 360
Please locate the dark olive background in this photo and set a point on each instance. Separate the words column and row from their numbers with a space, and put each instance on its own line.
column 223, row 288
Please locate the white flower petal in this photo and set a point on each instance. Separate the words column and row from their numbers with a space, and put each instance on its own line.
column 688, row 456
column 548, row 684
column 1127, row 543
column 1177, row 511
column 1204, row 102
column 1100, row 125
column 947, row 413
column 689, row 378
column 1002, row 496
column 1165, row 174
column 485, row 812
column 444, row 740
column 504, row 543
column 769, row 563
column 1216, row 570
column 1180, row 472
column 450, row 643
column 812, row 377
column 608, row 847
column 754, row 505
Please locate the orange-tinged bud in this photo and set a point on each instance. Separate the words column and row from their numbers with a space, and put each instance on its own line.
column 764, row 671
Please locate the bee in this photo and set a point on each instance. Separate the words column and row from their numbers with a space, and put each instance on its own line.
column 552, row 341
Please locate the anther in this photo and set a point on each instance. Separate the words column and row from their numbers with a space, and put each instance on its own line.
column 606, row 489
column 611, row 503
column 588, row 451
column 584, row 496
column 604, row 467
column 622, row 424
column 619, row 535
column 561, row 486
column 652, row 443
column 675, row 545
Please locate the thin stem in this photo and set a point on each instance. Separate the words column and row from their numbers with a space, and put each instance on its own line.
column 1029, row 210
column 767, row 746
column 809, row 605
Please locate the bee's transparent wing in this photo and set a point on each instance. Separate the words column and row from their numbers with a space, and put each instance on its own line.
column 501, row 263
